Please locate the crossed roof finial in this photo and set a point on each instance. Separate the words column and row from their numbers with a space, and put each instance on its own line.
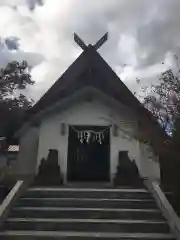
column 97, row 45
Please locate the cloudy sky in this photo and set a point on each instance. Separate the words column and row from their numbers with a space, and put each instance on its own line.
column 142, row 35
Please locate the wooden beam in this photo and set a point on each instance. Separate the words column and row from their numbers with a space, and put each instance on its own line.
column 79, row 41
column 101, row 41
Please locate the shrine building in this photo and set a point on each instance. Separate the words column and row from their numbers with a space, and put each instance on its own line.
column 90, row 123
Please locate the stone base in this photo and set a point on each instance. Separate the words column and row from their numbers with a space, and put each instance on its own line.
column 49, row 171
column 127, row 174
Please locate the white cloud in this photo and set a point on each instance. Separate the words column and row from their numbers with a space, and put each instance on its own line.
column 142, row 34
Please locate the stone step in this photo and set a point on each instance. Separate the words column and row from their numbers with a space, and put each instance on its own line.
column 88, row 203
column 85, row 213
column 88, row 193
column 83, row 225
column 101, row 213
column 50, row 235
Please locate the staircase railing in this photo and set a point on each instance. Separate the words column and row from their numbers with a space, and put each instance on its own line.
column 11, row 198
column 165, row 206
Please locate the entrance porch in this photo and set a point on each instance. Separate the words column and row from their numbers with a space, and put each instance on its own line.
column 88, row 153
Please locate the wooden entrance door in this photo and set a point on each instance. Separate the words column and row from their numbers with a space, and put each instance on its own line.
column 88, row 161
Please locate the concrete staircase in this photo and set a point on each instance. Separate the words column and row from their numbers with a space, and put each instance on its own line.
column 85, row 213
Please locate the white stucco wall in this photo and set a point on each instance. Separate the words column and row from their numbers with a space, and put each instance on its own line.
column 149, row 163
column 27, row 157
column 95, row 113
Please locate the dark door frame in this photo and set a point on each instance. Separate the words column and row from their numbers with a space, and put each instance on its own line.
column 69, row 173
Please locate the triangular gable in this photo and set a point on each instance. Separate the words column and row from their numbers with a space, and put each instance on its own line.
column 89, row 69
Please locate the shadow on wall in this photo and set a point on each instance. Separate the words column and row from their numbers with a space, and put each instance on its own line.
column 49, row 173
column 127, row 173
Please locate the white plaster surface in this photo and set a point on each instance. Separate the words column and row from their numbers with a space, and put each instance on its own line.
column 96, row 113
column 27, row 157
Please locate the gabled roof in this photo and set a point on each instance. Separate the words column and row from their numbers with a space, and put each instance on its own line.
column 89, row 69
